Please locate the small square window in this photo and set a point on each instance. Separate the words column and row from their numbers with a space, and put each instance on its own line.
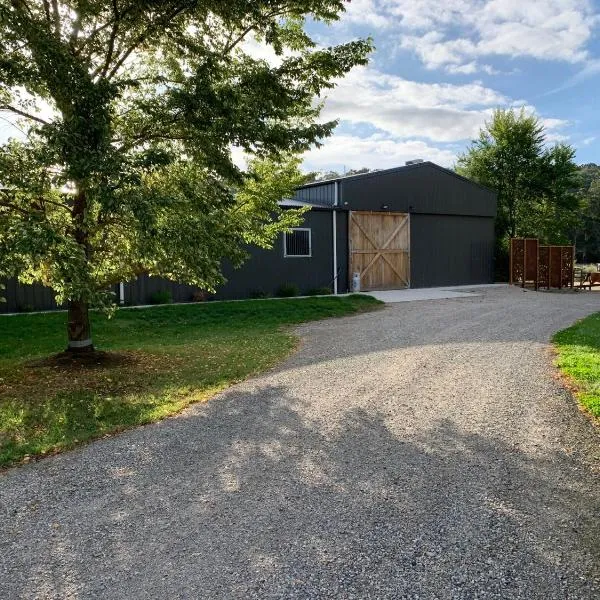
column 297, row 243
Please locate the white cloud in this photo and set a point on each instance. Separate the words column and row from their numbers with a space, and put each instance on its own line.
column 589, row 140
column 411, row 120
column 406, row 109
column 375, row 152
column 542, row 29
column 470, row 68
column 261, row 51
column 365, row 12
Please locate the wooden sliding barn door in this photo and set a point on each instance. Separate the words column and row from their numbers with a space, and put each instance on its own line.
column 380, row 249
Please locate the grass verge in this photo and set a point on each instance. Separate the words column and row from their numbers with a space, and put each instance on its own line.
column 163, row 359
column 578, row 349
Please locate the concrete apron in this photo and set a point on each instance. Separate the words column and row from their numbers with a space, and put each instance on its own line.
column 439, row 293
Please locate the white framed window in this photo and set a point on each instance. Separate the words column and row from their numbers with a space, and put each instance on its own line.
column 297, row 243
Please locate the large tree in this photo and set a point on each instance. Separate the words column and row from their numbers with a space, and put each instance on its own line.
column 536, row 183
column 130, row 110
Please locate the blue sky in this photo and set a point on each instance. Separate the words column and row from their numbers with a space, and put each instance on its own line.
column 442, row 66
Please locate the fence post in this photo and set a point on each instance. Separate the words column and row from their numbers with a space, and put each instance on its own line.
column 573, row 270
column 510, row 262
column 537, row 264
column 524, row 262
column 560, row 279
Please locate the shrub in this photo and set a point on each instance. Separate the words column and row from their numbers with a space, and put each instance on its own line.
column 258, row 294
column 160, row 297
column 320, row 291
column 287, row 290
column 200, row 296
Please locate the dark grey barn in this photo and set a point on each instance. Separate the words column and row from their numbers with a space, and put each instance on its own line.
column 414, row 226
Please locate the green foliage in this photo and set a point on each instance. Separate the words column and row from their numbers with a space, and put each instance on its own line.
column 257, row 294
column 588, row 226
column 287, row 290
column 173, row 356
column 161, row 297
column 320, row 291
column 579, row 358
column 131, row 111
column 536, row 184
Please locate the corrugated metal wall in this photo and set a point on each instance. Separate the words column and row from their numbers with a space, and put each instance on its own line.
column 141, row 290
column 320, row 193
column 266, row 270
column 424, row 188
column 451, row 250
column 27, row 298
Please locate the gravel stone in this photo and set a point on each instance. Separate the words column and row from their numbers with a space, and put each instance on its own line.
column 423, row 451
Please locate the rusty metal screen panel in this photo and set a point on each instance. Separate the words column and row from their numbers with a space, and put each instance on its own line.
column 544, row 267
column 555, row 266
column 517, row 260
column 531, row 260
column 567, row 265
column 524, row 260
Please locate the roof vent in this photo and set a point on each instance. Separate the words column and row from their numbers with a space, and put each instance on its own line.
column 416, row 161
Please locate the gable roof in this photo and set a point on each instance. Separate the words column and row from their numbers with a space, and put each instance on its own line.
column 401, row 169
column 424, row 188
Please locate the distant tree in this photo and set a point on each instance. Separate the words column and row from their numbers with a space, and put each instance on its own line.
column 360, row 171
column 588, row 228
column 553, row 214
column 130, row 110
column 536, row 184
column 506, row 157
column 315, row 176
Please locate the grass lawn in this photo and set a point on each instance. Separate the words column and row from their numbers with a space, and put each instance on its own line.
column 166, row 358
column 579, row 358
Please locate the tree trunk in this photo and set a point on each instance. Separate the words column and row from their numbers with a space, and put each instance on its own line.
column 78, row 327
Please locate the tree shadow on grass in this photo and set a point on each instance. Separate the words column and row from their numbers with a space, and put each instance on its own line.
column 255, row 495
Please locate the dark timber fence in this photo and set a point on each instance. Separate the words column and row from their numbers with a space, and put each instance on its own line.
column 28, row 298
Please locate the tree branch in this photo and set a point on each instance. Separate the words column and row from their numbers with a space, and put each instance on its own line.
column 231, row 45
column 141, row 139
column 89, row 37
column 22, row 113
column 13, row 207
column 76, row 30
column 143, row 37
column 111, row 42
column 56, row 18
column 58, row 204
column 23, row 4
column 110, row 23
column 47, row 11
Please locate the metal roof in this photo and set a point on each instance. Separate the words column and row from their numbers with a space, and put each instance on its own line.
column 401, row 169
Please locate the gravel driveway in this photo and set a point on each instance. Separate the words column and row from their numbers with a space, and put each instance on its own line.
column 422, row 451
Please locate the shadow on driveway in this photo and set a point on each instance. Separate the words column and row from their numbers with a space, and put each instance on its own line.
column 249, row 500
